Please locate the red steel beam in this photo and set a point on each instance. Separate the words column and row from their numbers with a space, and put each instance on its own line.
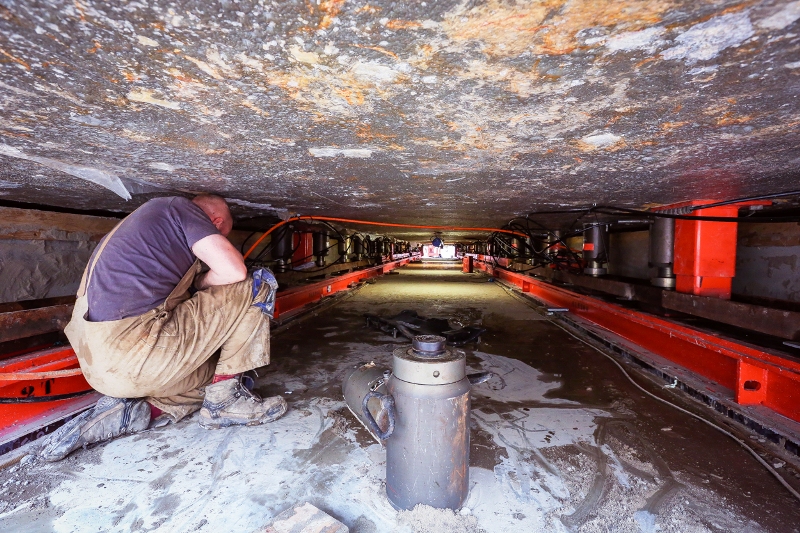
column 754, row 376
column 30, row 388
column 297, row 297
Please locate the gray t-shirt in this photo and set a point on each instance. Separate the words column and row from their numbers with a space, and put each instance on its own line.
column 146, row 258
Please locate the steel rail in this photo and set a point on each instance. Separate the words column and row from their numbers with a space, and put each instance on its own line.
column 754, row 376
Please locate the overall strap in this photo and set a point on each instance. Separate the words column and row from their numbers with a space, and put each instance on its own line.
column 87, row 273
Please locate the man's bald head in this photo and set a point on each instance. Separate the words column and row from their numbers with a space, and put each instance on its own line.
column 217, row 210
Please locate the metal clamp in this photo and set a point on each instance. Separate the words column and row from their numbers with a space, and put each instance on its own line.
column 387, row 405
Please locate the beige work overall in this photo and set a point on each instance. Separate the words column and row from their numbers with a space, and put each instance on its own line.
column 169, row 354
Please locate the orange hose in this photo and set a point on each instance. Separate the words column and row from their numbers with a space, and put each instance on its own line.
column 367, row 222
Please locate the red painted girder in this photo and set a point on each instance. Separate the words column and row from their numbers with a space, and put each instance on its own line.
column 48, row 367
column 19, row 419
column 297, row 297
column 754, row 376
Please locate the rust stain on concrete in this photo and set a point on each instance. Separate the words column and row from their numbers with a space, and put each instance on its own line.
column 15, row 59
column 495, row 99
column 548, row 27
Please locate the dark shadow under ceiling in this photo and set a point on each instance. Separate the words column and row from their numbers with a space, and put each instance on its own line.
column 432, row 112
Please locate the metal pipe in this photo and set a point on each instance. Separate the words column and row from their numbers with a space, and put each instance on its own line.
column 282, row 248
column 662, row 243
column 595, row 239
column 320, row 247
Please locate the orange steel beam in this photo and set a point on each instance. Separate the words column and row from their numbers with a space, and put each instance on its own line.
column 754, row 376
column 37, row 389
column 297, row 297
column 705, row 252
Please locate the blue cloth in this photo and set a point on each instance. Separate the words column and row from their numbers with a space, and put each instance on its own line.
column 437, row 242
column 261, row 276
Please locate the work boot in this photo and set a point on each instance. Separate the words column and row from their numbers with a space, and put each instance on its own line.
column 229, row 403
column 109, row 418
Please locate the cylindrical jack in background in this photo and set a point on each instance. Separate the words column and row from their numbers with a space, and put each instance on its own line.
column 358, row 248
column 282, row 247
column 662, row 244
column 342, row 248
column 595, row 237
column 320, row 247
column 517, row 247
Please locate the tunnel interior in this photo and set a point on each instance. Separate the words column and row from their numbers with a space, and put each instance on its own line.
column 609, row 191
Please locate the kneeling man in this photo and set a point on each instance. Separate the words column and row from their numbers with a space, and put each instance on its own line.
column 150, row 346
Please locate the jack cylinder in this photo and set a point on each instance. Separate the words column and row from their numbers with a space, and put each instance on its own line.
column 320, row 247
column 358, row 248
column 423, row 418
column 553, row 243
column 341, row 248
column 595, row 254
column 282, row 249
column 517, row 247
column 662, row 242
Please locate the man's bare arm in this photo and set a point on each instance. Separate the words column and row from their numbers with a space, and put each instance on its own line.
column 224, row 261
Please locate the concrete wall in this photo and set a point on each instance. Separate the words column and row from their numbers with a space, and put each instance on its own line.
column 43, row 254
column 767, row 263
column 41, row 269
column 627, row 254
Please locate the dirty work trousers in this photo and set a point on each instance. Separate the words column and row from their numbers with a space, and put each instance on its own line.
column 170, row 353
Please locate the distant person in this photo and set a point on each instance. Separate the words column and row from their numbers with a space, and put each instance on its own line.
column 152, row 347
column 437, row 246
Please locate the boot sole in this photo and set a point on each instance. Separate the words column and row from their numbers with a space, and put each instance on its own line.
column 228, row 423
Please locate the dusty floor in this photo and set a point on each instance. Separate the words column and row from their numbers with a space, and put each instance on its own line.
column 560, row 442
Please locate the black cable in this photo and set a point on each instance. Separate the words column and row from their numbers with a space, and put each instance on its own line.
column 611, row 210
column 338, row 260
column 502, row 245
column 614, row 210
column 275, row 240
column 272, row 242
column 241, row 248
column 746, row 199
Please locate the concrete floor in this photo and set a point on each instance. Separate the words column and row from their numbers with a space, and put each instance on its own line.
column 561, row 441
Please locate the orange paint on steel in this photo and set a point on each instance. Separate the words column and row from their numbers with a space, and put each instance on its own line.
column 705, row 252
column 33, row 369
column 371, row 223
column 754, row 376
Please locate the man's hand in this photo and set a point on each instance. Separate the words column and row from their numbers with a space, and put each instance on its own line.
column 225, row 262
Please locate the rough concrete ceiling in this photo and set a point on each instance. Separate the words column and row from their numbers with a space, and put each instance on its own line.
column 428, row 112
